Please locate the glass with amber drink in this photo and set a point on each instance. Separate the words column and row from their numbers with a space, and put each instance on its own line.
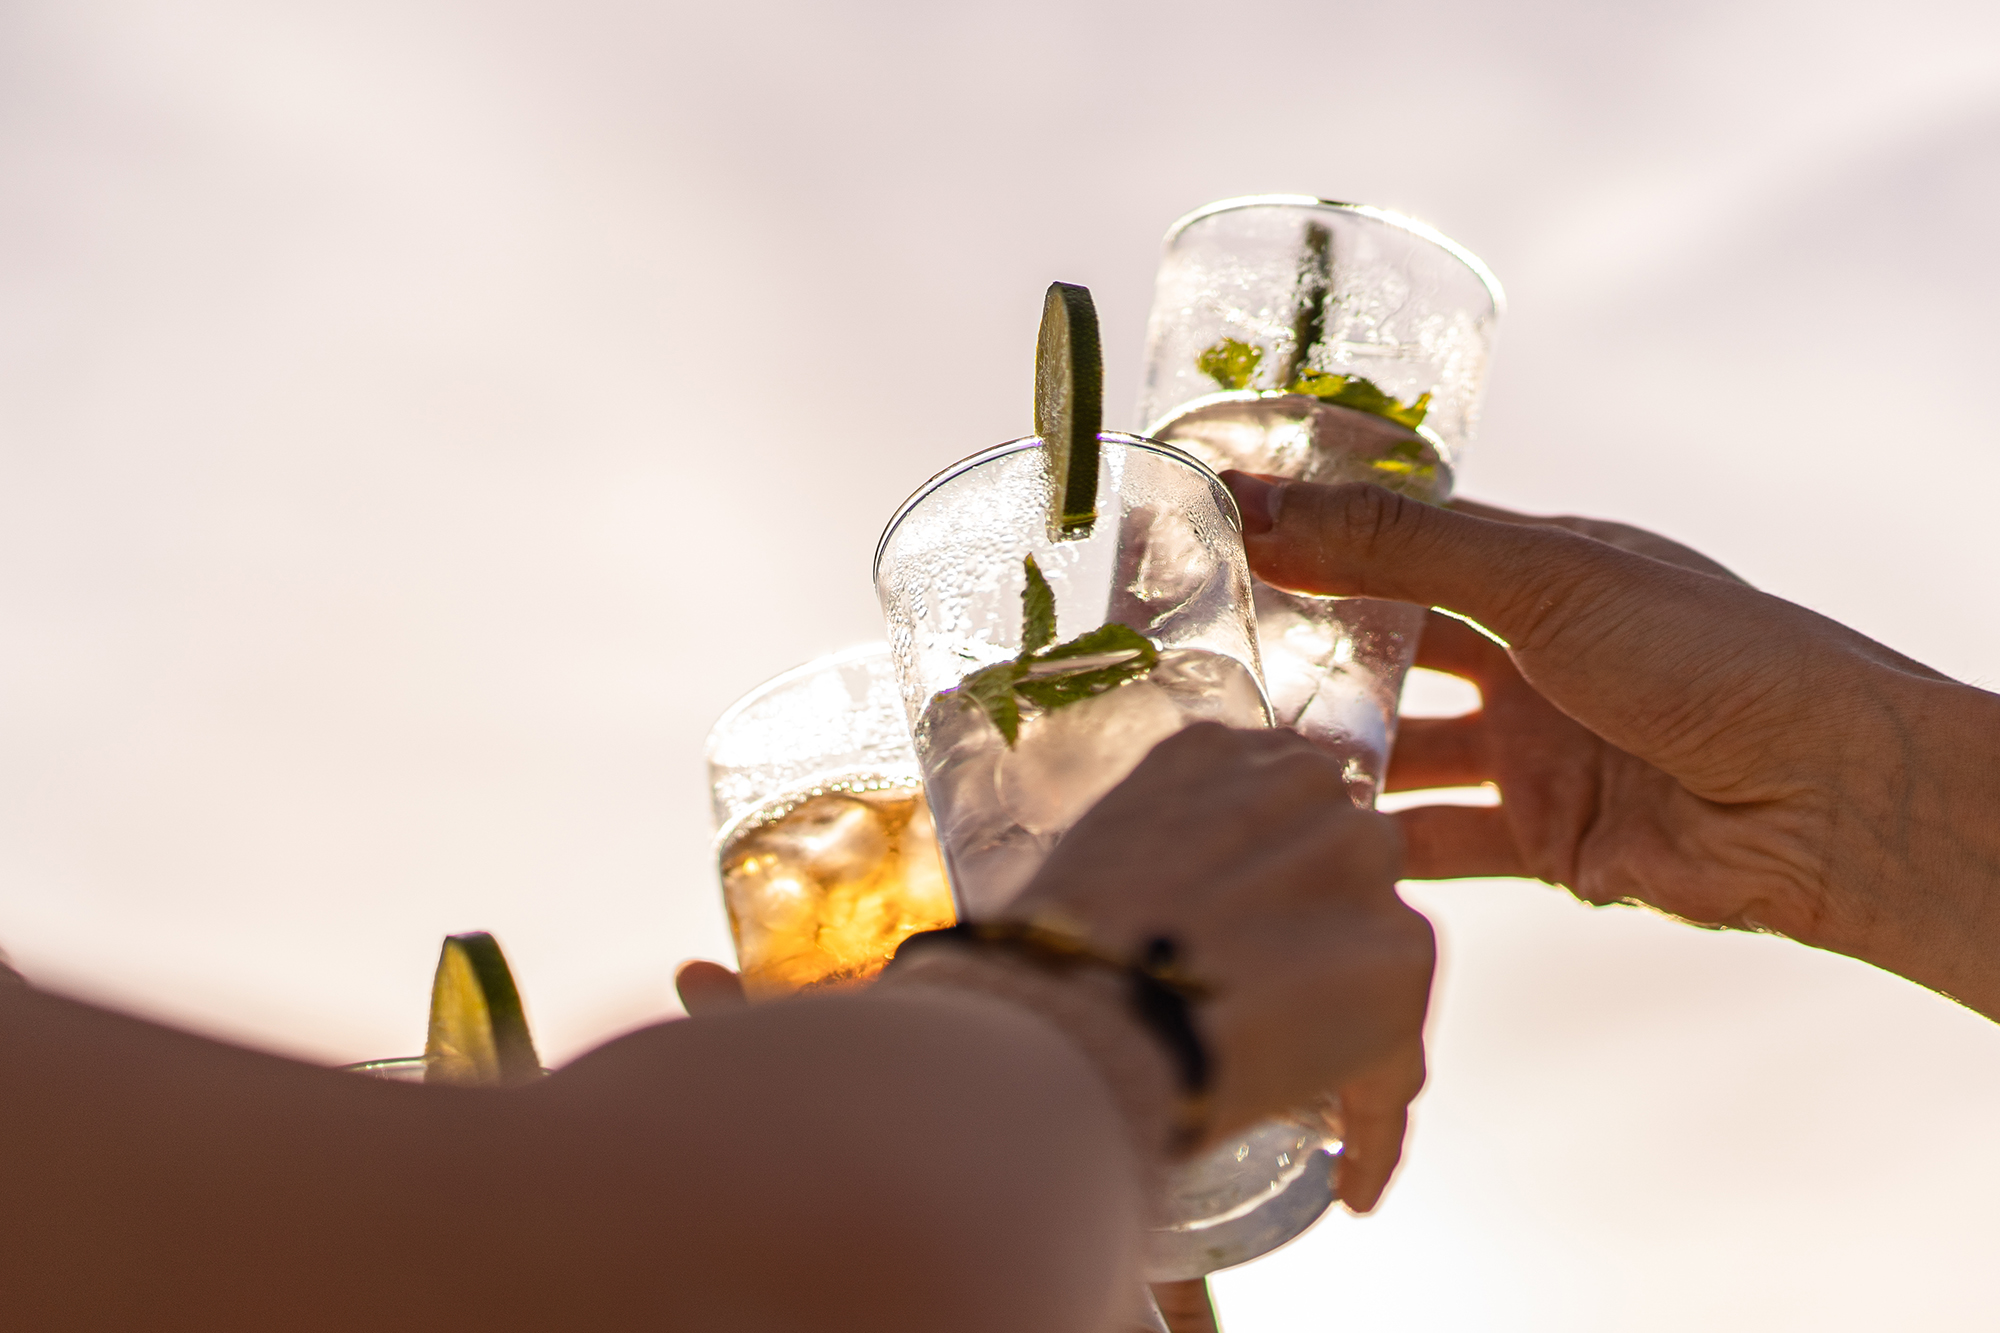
column 824, row 845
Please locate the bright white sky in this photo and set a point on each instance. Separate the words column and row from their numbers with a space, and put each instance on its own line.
column 419, row 419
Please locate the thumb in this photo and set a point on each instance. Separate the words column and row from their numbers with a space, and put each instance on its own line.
column 1526, row 583
column 1622, row 642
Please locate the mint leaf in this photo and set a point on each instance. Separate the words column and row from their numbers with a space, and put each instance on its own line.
column 1049, row 689
column 1049, row 693
column 992, row 689
column 1408, row 459
column 1230, row 363
column 1054, row 677
column 1361, row 395
column 1038, row 611
column 1112, row 638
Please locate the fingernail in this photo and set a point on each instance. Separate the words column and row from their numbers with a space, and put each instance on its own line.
column 1258, row 499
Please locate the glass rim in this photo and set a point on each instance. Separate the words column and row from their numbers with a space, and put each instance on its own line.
column 810, row 788
column 1422, row 230
column 1025, row 442
column 839, row 657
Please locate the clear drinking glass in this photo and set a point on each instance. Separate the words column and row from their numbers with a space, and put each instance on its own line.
column 1333, row 343
column 823, row 840
column 1164, row 559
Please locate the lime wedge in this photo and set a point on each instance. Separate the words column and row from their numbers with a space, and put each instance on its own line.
column 478, row 1033
column 1069, row 406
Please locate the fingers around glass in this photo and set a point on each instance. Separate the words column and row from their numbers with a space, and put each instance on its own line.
column 1460, row 842
column 1456, row 647
column 1441, row 752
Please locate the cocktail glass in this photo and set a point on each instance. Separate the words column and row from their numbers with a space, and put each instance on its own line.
column 1084, row 704
column 1334, row 343
column 823, row 840
column 1164, row 559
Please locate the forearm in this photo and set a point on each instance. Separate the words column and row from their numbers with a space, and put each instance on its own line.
column 854, row 1163
column 1917, row 876
column 873, row 1162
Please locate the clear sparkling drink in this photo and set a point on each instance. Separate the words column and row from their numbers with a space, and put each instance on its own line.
column 822, row 885
column 1329, row 342
column 1038, row 668
column 1334, row 666
column 1002, row 808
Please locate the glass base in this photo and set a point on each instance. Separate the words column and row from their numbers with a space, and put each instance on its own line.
column 1242, row 1199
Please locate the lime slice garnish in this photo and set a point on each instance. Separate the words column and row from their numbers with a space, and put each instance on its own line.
column 478, row 1032
column 1069, row 406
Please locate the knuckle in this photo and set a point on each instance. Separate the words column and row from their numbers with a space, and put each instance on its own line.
column 1368, row 519
column 1188, row 753
column 1197, row 737
column 1421, row 938
column 1337, row 533
column 1415, row 1076
column 1293, row 759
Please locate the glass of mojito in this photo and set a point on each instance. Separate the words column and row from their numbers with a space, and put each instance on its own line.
column 1038, row 666
column 824, row 842
column 1296, row 337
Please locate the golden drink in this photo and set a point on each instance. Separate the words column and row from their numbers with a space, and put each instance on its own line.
column 822, row 885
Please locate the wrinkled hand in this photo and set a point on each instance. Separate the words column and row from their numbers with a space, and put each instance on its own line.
column 1244, row 848
column 1661, row 732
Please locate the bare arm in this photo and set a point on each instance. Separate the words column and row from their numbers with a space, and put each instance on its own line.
column 920, row 1157
column 919, row 1162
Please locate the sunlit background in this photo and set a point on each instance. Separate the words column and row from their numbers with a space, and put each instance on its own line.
column 419, row 420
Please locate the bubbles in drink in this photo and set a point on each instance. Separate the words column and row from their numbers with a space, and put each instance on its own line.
column 1334, row 665
column 821, row 886
column 1001, row 809
column 1078, row 754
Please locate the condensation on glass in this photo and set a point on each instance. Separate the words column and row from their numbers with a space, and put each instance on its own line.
column 1165, row 558
column 824, row 843
column 1273, row 317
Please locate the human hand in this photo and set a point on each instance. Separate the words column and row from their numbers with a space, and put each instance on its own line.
column 708, row 988
column 1243, row 847
column 1661, row 732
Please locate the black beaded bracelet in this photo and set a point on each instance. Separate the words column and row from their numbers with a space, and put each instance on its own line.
column 1161, row 993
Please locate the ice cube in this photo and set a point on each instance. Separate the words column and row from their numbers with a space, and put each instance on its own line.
column 1169, row 563
column 832, row 838
column 1067, row 759
column 1346, row 719
column 960, row 749
column 772, row 903
column 992, row 874
column 1210, row 687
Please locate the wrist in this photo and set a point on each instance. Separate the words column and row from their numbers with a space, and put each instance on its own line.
column 1092, row 1011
